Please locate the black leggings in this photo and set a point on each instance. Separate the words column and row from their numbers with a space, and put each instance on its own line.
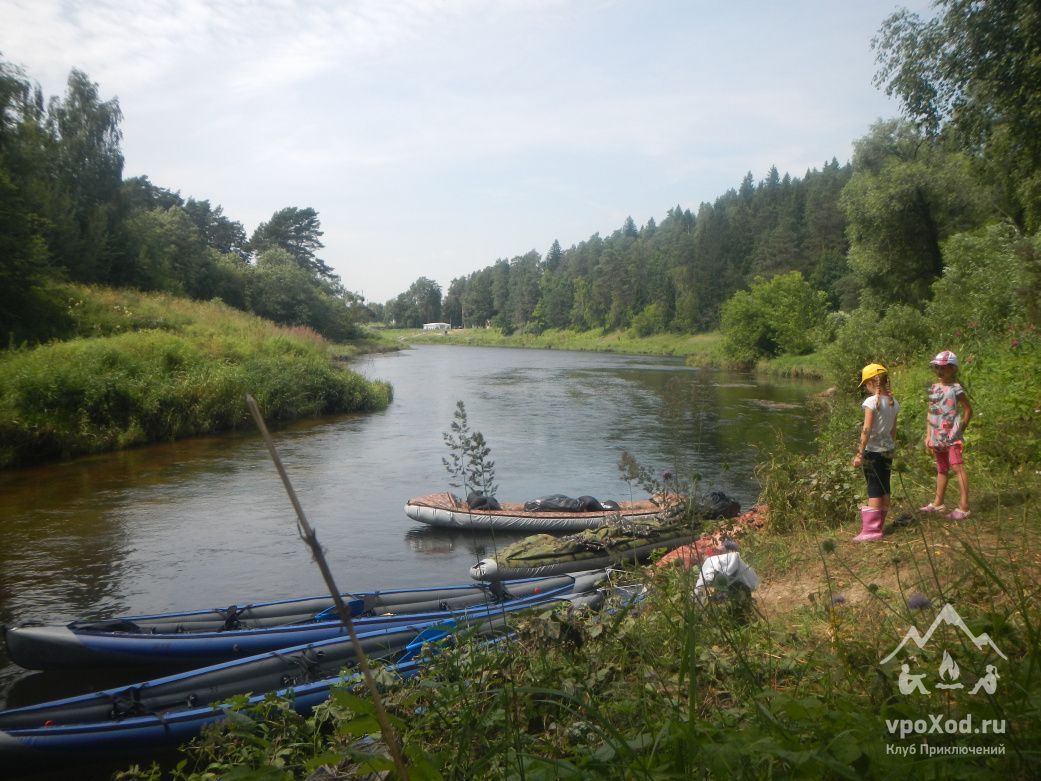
column 877, row 471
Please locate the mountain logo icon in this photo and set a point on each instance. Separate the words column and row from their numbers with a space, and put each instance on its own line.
column 948, row 615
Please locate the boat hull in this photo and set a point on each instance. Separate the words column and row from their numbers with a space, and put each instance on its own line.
column 442, row 511
column 172, row 640
column 82, row 728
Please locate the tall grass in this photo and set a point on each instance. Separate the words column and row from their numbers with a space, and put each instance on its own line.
column 147, row 368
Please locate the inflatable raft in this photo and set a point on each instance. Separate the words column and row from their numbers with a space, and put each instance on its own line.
column 200, row 637
column 448, row 511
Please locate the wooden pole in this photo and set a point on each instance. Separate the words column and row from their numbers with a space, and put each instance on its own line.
column 308, row 535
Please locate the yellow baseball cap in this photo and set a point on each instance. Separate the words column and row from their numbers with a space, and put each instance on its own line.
column 871, row 370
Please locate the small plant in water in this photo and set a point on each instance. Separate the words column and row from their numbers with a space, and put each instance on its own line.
column 468, row 464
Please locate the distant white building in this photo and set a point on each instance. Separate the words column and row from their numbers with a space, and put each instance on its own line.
column 436, row 326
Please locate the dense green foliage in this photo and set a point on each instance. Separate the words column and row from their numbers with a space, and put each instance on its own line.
column 672, row 276
column 420, row 304
column 971, row 73
column 777, row 316
column 148, row 367
column 67, row 214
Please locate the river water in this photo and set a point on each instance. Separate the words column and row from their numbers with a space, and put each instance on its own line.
column 205, row 522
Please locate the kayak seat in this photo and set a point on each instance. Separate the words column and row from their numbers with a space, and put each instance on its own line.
column 127, row 703
column 231, row 618
column 110, row 625
column 307, row 663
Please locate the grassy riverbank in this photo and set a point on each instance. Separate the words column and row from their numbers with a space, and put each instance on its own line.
column 139, row 367
column 794, row 687
column 701, row 350
column 681, row 345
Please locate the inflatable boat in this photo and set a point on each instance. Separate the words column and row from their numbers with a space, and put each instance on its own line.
column 200, row 637
column 449, row 511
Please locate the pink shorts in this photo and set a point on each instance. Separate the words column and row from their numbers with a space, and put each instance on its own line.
column 946, row 457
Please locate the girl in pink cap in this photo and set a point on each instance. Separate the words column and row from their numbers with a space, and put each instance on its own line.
column 948, row 414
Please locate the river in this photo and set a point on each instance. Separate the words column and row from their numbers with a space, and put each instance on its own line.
column 205, row 522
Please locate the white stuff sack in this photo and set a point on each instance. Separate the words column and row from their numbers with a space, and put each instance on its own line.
column 730, row 565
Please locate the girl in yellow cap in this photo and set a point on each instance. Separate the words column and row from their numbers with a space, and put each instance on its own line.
column 875, row 450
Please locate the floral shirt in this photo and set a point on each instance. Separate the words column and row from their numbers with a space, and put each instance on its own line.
column 945, row 414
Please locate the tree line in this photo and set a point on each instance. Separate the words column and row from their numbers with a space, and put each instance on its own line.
column 67, row 213
column 672, row 275
column 785, row 264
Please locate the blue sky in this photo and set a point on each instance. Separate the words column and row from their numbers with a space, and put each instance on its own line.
column 436, row 137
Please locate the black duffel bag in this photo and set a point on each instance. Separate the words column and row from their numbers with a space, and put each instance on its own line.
column 477, row 501
column 563, row 504
column 718, row 505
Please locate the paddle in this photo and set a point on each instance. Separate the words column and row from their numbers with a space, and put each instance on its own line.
column 307, row 534
column 429, row 635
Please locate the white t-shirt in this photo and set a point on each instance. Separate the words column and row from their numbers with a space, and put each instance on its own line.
column 880, row 440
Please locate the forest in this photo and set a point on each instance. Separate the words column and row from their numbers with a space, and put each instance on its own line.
column 68, row 215
column 936, row 216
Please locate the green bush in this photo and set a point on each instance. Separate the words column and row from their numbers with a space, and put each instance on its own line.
column 1000, row 374
column 776, row 316
column 187, row 373
column 649, row 322
column 985, row 279
column 901, row 334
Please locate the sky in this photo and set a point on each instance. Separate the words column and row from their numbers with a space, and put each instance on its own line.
column 434, row 138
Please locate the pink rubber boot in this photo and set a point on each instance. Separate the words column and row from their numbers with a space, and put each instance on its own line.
column 870, row 525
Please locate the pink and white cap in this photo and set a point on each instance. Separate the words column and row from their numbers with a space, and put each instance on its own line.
column 946, row 358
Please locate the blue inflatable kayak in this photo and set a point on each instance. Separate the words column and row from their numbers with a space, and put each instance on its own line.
column 170, row 710
column 200, row 637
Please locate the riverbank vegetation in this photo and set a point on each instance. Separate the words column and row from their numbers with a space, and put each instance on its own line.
column 703, row 348
column 105, row 341
column 143, row 367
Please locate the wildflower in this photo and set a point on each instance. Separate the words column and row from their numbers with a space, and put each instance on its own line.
column 919, row 602
column 838, row 599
